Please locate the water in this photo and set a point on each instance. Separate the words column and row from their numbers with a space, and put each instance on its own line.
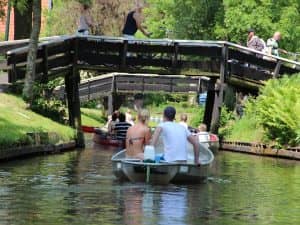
column 79, row 188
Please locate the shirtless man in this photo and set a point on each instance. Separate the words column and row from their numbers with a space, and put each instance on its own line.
column 138, row 136
column 175, row 139
column 134, row 22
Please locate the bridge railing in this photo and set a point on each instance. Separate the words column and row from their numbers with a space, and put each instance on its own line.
column 162, row 56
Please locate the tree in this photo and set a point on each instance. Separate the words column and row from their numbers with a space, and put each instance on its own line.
column 31, row 57
column 187, row 19
column 265, row 17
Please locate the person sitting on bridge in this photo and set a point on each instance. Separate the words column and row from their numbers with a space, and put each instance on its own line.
column 85, row 21
column 175, row 138
column 121, row 127
column 134, row 22
column 273, row 45
column 138, row 136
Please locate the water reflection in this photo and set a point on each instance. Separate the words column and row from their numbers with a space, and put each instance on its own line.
column 79, row 188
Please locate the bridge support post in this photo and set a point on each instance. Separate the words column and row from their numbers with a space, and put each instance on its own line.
column 72, row 88
column 215, row 123
column 209, row 105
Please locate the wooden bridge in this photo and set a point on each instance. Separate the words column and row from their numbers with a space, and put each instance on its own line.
column 223, row 62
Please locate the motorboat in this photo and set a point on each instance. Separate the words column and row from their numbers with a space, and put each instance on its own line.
column 162, row 172
column 102, row 138
column 209, row 140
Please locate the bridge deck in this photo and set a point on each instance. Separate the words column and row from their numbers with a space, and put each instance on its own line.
column 110, row 54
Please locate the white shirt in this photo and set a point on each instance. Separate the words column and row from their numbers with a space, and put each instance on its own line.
column 183, row 124
column 175, row 141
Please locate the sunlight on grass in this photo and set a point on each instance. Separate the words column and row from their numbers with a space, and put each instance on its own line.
column 16, row 121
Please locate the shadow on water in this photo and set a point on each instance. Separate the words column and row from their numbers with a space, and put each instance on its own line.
column 79, row 188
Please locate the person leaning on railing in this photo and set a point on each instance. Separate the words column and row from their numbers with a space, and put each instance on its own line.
column 273, row 45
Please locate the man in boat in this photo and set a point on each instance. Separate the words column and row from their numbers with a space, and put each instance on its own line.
column 121, row 127
column 175, row 138
column 138, row 136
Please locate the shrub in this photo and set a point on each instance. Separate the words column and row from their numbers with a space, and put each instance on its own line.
column 278, row 109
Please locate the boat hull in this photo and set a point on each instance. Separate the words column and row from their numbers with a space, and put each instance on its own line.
column 191, row 174
column 154, row 173
column 102, row 140
column 163, row 173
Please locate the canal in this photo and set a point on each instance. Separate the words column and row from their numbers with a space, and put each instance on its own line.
column 79, row 188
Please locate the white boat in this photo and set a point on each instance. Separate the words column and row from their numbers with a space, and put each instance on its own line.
column 209, row 140
column 154, row 173
column 162, row 173
column 191, row 173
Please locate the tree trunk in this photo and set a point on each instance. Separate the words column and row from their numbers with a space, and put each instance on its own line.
column 32, row 52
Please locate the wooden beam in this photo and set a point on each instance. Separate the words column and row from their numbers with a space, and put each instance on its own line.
column 209, row 105
column 277, row 69
column 215, row 124
column 45, row 64
column 69, row 95
column 76, row 103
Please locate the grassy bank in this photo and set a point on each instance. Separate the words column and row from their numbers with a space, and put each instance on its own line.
column 92, row 117
column 16, row 120
column 273, row 117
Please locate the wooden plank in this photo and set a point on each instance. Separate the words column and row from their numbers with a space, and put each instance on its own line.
column 186, row 80
column 157, row 87
column 250, row 58
column 158, row 80
column 144, row 48
column 185, row 89
column 214, row 52
column 61, row 61
column 59, row 48
column 128, row 87
column 248, row 72
column 128, row 79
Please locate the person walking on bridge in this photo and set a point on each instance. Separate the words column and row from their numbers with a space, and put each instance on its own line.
column 134, row 22
column 273, row 45
column 85, row 22
column 254, row 42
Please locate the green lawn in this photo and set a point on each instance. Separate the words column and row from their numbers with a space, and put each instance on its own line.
column 92, row 117
column 16, row 121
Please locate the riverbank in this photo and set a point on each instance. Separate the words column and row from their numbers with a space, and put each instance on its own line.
column 16, row 121
column 33, row 150
column 260, row 149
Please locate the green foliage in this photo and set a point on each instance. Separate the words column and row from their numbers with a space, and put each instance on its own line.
column 278, row 108
column 193, row 19
column 273, row 117
column 45, row 104
column 265, row 17
column 94, row 114
column 225, row 20
column 245, row 129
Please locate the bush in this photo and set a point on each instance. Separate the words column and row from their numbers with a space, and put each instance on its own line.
column 45, row 104
column 273, row 117
column 278, row 109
